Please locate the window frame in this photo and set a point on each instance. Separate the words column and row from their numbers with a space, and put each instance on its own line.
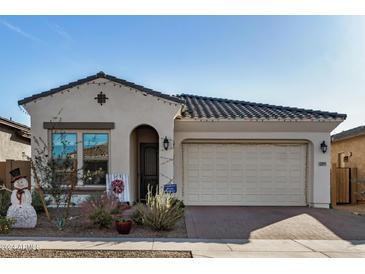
column 80, row 152
column 83, row 132
column 50, row 145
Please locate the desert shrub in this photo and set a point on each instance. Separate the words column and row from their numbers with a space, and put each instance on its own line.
column 115, row 211
column 4, row 202
column 178, row 203
column 138, row 213
column 101, row 218
column 6, row 224
column 162, row 210
column 99, row 209
column 37, row 202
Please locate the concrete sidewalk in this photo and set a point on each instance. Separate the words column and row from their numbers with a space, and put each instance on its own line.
column 202, row 248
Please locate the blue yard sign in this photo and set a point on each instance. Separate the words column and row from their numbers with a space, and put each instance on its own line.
column 170, row 188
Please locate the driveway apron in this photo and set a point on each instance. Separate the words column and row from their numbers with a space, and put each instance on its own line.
column 297, row 223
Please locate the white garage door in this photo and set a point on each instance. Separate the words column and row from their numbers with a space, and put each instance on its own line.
column 244, row 174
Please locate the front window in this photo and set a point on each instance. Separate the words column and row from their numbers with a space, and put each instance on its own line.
column 64, row 156
column 96, row 156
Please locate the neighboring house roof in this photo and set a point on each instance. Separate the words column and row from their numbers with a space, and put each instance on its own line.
column 22, row 130
column 351, row 133
column 199, row 107
column 216, row 108
column 94, row 77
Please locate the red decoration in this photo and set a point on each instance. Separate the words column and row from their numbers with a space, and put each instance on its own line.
column 118, row 186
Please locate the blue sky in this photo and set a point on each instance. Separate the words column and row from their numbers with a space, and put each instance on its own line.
column 304, row 61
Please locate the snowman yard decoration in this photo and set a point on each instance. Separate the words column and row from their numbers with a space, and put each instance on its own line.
column 21, row 209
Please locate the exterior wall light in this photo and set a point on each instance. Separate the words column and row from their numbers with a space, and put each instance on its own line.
column 166, row 143
column 324, row 147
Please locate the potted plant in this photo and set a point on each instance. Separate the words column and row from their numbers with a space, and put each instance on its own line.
column 123, row 226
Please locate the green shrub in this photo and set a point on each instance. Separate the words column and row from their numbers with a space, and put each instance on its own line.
column 6, row 225
column 177, row 202
column 162, row 211
column 99, row 209
column 138, row 213
column 102, row 218
column 37, row 202
column 4, row 202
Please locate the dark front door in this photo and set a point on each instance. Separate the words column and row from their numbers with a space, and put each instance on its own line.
column 149, row 169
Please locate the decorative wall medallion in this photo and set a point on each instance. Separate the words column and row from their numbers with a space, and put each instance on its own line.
column 101, row 98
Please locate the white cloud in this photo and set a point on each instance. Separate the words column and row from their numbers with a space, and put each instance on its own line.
column 19, row 31
column 60, row 31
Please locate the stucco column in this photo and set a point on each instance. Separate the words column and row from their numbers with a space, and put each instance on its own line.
column 321, row 173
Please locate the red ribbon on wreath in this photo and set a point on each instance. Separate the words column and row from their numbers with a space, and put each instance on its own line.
column 118, row 186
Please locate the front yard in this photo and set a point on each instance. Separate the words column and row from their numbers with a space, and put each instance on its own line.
column 76, row 227
column 99, row 215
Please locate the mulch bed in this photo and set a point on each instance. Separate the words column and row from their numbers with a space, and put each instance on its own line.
column 77, row 227
column 48, row 253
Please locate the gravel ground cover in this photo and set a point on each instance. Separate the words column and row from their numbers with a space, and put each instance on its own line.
column 48, row 253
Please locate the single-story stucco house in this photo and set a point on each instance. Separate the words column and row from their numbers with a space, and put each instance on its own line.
column 217, row 151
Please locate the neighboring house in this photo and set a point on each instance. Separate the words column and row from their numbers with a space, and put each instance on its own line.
column 348, row 150
column 14, row 140
column 14, row 146
column 217, row 151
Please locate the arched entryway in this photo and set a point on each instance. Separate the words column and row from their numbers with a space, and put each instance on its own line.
column 144, row 161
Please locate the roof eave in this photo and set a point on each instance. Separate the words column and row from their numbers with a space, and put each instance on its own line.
column 197, row 119
column 94, row 77
column 15, row 125
column 343, row 137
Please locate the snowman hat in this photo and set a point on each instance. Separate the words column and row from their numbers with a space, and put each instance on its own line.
column 15, row 173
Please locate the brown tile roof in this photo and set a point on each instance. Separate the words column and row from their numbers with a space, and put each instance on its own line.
column 199, row 107
column 216, row 108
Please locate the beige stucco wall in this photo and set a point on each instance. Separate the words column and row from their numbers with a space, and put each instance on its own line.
column 355, row 146
column 318, row 177
column 128, row 108
column 12, row 149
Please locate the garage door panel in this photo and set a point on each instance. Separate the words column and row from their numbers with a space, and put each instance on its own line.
column 244, row 174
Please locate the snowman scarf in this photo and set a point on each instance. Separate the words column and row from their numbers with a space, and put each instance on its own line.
column 19, row 193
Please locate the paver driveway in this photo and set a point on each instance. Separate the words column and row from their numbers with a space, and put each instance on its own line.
column 272, row 223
